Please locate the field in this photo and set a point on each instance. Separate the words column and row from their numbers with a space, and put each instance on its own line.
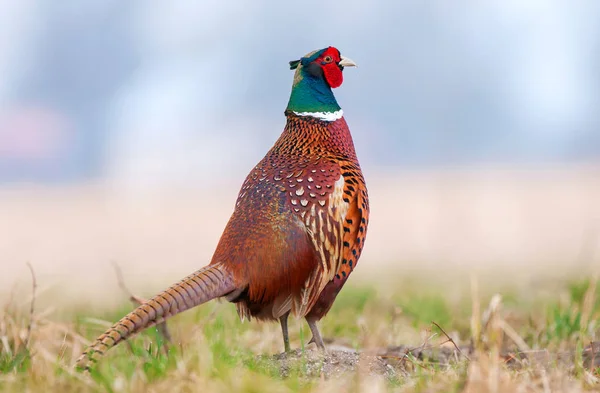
column 455, row 336
column 471, row 281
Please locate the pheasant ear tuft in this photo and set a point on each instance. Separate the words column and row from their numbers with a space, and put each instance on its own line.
column 294, row 64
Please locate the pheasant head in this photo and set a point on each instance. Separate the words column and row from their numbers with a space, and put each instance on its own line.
column 316, row 74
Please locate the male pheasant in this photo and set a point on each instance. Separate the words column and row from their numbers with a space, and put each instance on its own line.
column 298, row 227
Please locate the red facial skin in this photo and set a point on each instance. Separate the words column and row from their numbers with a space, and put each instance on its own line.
column 329, row 63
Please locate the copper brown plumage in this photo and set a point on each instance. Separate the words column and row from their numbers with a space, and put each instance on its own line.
column 298, row 227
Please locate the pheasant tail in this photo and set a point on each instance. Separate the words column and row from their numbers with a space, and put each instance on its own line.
column 205, row 284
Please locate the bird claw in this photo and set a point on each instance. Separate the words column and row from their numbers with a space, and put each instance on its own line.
column 312, row 341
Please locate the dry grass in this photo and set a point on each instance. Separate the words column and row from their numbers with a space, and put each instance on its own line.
column 419, row 337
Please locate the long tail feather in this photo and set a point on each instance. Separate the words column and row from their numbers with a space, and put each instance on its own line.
column 206, row 284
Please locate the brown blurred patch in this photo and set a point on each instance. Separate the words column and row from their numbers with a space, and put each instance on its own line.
column 508, row 219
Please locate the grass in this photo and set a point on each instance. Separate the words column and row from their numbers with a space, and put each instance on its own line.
column 533, row 340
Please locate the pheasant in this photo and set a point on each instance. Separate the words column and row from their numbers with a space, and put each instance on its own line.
column 298, row 227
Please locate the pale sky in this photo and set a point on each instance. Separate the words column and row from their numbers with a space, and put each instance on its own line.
column 155, row 91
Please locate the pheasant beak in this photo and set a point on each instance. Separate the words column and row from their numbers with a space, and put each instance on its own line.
column 346, row 62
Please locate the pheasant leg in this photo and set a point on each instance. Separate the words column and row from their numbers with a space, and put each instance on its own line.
column 316, row 335
column 283, row 320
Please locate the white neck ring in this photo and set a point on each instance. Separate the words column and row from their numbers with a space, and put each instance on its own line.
column 325, row 116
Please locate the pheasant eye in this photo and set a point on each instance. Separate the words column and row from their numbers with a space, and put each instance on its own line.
column 328, row 59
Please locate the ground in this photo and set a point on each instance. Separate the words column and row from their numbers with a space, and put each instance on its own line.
column 400, row 334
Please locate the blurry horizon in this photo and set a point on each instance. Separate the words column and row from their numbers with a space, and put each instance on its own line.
column 155, row 95
column 126, row 130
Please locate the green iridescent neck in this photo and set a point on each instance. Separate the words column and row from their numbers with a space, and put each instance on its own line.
column 311, row 94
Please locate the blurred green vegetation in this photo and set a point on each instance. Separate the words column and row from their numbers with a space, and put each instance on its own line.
column 213, row 349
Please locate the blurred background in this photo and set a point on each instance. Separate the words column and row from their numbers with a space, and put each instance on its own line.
column 126, row 130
